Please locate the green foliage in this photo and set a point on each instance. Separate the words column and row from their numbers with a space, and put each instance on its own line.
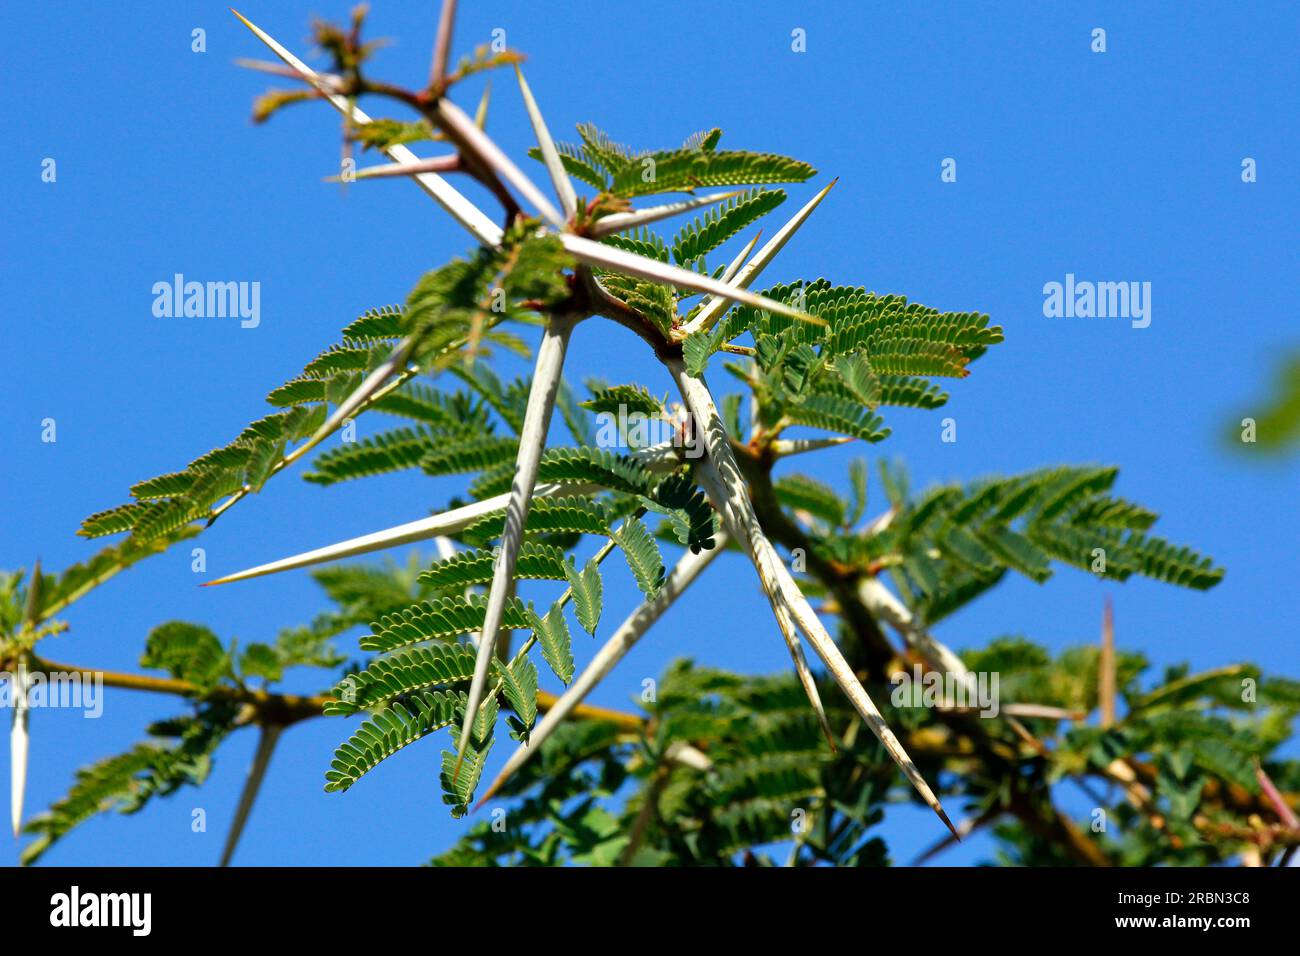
column 581, row 466
column 614, row 168
column 552, row 632
column 563, row 513
column 696, row 240
column 642, row 242
column 642, row 554
column 189, row 652
column 519, row 685
column 691, row 517
column 627, row 399
column 535, row 561
column 1276, row 422
column 818, row 499
column 685, row 170
column 364, row 593
column 387, row 732
column 587, row 593
column 575, row 163
column 656, row 302
column 412, row 669
column 773, row 782
column 565, row 821
column 438, row 451
column 459, row 776
column 954, row 542
column 439, row 619
column 838, row 415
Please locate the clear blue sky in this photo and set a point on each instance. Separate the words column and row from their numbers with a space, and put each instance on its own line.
column 1116, row 166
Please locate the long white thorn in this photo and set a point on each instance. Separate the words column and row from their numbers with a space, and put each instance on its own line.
column 18, row 736
column 18, row 742
column 547, row 373
column 714, row 486
column 447, row 522
column 713, row 311
column 435, row 164
column 619, row 221
column 619, row 260
column 279, row 69
column 733, row 266
column 550, row 155
column 371, row 384
column 1042, row 711
column 801, row 669
column 461, row 209
column 442, row 43
column 481, row 145
column 731, row 497
column 660, row 457
column 785, row 447
column 266, row 741
column 614, row 650
column 839, row 669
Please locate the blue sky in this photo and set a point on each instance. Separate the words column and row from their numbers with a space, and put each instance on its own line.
column 1115, row 166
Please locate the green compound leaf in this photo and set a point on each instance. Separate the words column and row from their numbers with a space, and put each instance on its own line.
column 390, row 730
column 438, row 620
column 552, row 634
column 642, row 554
column 535, row 562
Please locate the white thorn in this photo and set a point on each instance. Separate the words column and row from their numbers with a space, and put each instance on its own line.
column 479, row 143
column 550, row 155
column 266, row 742
column 614, row 650
column 442, row 43
column 18, row 743
column 727, row 490
column 733, row 267
column 18, row 685
column 435, row 164
column 785, row 447
column 461, row 209
column 709, row 314
column 547, row 373
column 619, row 221
column 619, row 260
column 660, row 457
